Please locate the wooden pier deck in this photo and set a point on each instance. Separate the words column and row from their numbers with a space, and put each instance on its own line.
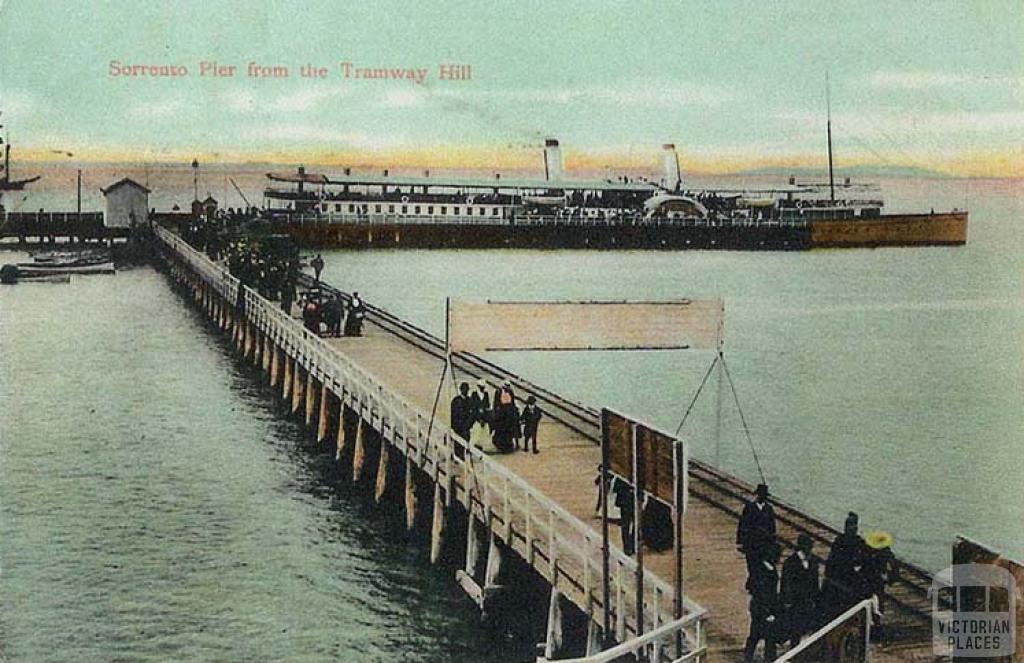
column 390, row 375
column 564, row 470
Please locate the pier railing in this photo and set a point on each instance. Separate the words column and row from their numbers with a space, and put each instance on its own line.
column 808, row 646
column 561, row 547
column 32, row 223
column 656, row 645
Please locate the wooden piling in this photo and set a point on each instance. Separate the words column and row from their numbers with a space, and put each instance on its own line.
column 410, row 494
column 286, row 384
column 383, row 465
column 493, row 567
column 310, row 397
column 553, row 641
column 472, row 545
column 359, row 453
column 298, row 387
column 437, row 526
column 275, row 364
column 342, row 434
column 323, row 415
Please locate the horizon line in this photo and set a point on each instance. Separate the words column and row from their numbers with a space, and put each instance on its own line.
column 967, row 165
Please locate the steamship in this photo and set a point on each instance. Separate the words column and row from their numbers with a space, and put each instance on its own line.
column 557, row 211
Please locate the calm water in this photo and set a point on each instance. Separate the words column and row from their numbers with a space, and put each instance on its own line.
column 885, row 381
column 154, row 507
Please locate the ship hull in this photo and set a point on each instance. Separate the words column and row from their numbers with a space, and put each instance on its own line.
column 944, row 229
column 494, row 236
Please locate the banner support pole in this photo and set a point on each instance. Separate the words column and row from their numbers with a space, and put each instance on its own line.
column 604, row 489
column 638, row 539
column 444, row 369
column 679, row 477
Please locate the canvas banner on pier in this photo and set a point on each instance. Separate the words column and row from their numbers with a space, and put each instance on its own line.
column 666, row 325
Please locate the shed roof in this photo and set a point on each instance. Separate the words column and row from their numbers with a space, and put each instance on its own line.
column 124, row 181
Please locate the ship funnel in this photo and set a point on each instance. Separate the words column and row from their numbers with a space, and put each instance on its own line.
column 552, row 160
column 673, row 180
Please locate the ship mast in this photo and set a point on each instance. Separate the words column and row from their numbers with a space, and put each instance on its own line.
column 828, row 107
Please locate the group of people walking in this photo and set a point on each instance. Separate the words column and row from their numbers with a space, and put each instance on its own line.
column 323, row 314
column 482, row 417
column 787, row 606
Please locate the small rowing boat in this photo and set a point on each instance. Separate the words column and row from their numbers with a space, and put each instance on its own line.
column 32, row 268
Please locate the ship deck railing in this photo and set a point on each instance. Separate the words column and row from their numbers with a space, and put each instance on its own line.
column 332, row 218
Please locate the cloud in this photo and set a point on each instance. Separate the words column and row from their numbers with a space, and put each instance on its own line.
column 19, row 103
column 306, row 99
column 910, row 123
column 158, row 108
column 310, row 133
column 397, row 98
column 646, row 93
column 923, row 80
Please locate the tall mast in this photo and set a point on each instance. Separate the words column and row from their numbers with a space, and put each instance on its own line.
column 828, row 106
column 7, row 156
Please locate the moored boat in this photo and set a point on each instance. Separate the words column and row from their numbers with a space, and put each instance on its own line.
column 30, row 269
column 353, row 210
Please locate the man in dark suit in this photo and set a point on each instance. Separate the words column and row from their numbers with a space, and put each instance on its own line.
column 462, row 412
column 481, row 402
column 763, row 585
column 844, row 569
column 756, row 529
column 530, row 419
column 800, row 590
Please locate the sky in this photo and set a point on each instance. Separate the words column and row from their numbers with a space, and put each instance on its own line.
column 734, row 85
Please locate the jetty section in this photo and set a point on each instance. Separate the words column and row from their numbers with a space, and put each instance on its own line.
column 515, row 520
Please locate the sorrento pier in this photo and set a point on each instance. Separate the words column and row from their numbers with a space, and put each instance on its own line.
column 507, row 521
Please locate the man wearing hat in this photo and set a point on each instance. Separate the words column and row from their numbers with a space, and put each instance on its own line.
column 530, row 419
column 763, row 585
column 844, row 569
column 756, row 529
column 800, row 590
column 462, row 412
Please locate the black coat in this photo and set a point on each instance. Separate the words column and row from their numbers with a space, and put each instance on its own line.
column 481, row 406
column 799, row 584
column 531, row 420
column 756, row 527
column 847, row 554
column 462, row 415
column 763, row 586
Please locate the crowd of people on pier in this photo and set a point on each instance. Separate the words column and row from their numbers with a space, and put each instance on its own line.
column 789, row 599
column 325, row 314
column 273, row 270
column 788, row 605
column 484, row 418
